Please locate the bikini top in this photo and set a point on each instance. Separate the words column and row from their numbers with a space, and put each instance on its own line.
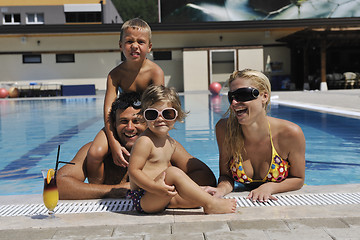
column 278, row 171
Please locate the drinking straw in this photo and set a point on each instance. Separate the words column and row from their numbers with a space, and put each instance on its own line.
column 57, row 160
column 72, row 163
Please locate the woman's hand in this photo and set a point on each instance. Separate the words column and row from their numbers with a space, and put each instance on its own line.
column 262, row 193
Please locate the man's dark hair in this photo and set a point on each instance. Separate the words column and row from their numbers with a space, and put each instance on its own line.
column 124, row 101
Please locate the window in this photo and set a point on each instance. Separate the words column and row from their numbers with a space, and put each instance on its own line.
column 82, row 17
column 12, row 18
column 35, row 18
column 33, row 58
column 65, row 58
column 83, row 13
column 162, row 55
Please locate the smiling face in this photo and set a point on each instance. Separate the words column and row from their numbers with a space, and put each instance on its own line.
column 129, row 125
column 160, row 126
column 135, row 43
column 246, row 111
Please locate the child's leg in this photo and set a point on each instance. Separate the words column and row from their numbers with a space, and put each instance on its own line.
column 190, row 191
column 96, row 154
column 179, row 202
column 152, row 203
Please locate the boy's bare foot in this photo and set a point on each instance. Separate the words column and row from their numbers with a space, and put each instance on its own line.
column 221, row 205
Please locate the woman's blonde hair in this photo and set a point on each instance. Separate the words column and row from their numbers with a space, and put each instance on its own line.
column 154, row 94
column 135, row 23
column 234, row 137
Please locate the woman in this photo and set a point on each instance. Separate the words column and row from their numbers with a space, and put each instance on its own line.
column 262, row 152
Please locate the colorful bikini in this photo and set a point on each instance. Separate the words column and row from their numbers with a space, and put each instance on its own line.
column 278, row 171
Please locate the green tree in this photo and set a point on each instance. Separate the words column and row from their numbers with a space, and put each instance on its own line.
column 144, row 9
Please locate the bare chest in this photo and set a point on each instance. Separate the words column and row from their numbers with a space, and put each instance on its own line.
column 257, row 160
column 135, row 81
column 158, row 160
column 113, row 173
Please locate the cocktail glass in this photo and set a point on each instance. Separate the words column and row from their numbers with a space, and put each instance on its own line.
column 50, row 193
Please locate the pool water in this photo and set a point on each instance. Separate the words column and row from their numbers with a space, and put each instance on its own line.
column 31, row 130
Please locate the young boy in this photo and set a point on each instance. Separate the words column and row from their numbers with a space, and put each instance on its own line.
column 134, row 74
column 153, row 181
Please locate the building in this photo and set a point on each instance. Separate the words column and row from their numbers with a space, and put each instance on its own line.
column 30, row 53
column 27, row 12
column 192, row 54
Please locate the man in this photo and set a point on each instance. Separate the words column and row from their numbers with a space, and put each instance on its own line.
column 129, row 125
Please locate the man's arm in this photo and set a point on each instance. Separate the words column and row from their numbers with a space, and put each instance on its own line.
column 70, row 181
column 198, row 171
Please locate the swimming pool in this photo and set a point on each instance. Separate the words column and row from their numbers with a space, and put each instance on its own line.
column 31, row 130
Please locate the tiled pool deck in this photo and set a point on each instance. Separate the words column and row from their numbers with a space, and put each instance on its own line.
column 334, row 221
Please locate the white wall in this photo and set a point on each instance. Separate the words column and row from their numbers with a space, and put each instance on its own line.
column 251, row 58
column 279, row 54
column 88, row 68
column 173, row 70
column 195, row 70
column 97, row 53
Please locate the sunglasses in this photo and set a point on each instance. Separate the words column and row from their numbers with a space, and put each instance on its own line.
column 243, row 94
column 124, row 105
column 169, row 114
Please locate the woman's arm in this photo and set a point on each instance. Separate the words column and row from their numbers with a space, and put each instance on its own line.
column 225, row 182
column 292, row 139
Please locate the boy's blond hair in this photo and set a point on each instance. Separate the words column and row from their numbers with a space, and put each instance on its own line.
column 154, row 94
column 135, row 23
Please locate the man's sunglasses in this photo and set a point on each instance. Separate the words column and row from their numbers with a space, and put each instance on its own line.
column 135, row 105
column 243, row 94
column 169, row 114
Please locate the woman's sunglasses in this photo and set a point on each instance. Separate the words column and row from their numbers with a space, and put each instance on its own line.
column 243, row 94
column 169, row 114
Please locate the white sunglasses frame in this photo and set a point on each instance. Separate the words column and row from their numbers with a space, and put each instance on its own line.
column 160, row 113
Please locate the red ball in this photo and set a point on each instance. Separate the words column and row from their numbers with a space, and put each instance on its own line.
column 3, row 93
column 215, row 88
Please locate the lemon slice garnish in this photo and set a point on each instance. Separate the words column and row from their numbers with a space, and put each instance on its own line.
column 50, row 174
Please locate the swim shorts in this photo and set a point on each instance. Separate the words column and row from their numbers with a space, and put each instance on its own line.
column 136, row 196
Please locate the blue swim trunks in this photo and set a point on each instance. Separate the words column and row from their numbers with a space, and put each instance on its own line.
column 136, row 196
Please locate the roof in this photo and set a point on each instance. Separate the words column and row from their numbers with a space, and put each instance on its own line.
column 195, row 26
column 334, row 37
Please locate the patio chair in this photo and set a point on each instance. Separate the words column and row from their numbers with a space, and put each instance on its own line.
column 350, row 79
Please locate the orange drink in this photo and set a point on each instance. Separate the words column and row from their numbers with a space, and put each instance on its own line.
column 50, row 193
